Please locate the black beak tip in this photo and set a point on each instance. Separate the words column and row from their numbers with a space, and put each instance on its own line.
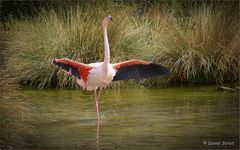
column 110, row 17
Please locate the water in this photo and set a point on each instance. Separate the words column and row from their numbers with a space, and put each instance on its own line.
column 135, row 118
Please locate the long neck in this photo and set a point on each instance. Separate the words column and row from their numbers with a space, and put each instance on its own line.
column 106, row 46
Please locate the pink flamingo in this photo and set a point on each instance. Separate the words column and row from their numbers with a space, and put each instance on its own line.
column 96, row 76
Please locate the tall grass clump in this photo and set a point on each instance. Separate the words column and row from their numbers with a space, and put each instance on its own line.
column 198, row 44
column 201, row 47
column 75, row 34
column 13, row 115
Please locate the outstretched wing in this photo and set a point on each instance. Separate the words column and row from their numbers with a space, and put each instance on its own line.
column 73, row 68
column 138, row 69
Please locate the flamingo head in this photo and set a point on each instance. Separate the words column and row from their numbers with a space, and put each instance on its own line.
column 106, row 20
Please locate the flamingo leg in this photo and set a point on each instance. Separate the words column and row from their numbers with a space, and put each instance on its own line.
column 98, row 96
column 97, row 104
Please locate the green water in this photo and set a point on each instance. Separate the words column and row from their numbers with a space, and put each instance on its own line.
column 135, row 118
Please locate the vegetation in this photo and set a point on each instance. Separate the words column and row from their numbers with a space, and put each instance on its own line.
column 13, row 114
column 199, row 43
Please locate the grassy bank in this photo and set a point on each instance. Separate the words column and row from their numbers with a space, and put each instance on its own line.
column 199, row 44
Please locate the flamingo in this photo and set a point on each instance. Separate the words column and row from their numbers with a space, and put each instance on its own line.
column 96, row 76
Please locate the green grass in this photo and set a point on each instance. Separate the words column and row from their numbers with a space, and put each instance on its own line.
column 202, row 46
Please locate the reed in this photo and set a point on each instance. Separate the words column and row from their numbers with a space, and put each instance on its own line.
column 202, row 46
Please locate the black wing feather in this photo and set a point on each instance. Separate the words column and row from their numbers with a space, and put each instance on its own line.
column 68, row 68
column 140, row 71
